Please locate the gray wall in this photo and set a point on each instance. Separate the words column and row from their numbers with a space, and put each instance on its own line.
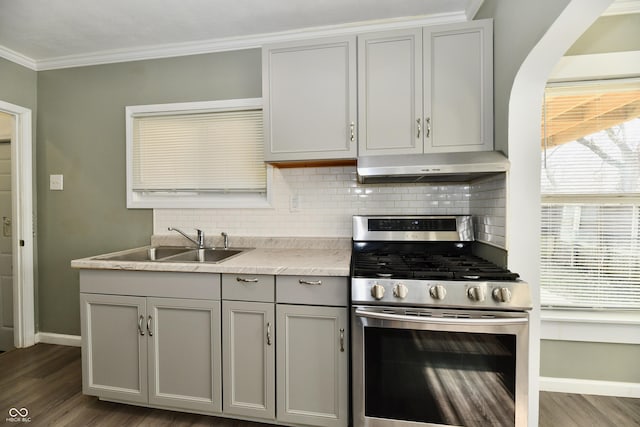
column 518, row 25
column 18, row 85
column 619, row 33
column 81, row 134
column 590, row 361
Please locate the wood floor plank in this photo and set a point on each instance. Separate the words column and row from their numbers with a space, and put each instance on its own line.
column 47, row 380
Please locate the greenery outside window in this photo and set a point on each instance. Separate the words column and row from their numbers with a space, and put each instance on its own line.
column 198, row 154
column 590, row 185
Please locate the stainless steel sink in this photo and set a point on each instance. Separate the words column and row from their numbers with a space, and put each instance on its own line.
column 153, row 253
column 174, row 254
column 209, row 255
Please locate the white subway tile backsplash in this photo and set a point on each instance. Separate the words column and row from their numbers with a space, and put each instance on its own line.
column 328, row 197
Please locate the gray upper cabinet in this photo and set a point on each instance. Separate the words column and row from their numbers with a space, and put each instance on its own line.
column 309, row 92
column 426, row 90
column 390, row 92
column 458, row 87
column 248, row 339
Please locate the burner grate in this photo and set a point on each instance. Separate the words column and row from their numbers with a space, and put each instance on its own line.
column 427, row 266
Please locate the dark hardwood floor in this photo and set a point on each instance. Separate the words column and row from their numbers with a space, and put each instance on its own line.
column 46, row 379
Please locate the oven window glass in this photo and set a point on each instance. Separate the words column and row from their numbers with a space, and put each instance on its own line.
column 449, row 378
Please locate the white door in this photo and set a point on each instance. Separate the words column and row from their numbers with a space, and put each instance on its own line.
column 6, row 270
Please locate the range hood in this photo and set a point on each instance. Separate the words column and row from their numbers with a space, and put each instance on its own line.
column 437, row 167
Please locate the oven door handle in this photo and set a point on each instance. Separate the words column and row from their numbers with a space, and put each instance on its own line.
column 442, row 320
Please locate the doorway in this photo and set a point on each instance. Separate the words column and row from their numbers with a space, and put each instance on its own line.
column 6, row 258
column 20, row 227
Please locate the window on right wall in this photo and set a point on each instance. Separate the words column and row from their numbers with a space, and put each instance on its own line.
column 590, row 186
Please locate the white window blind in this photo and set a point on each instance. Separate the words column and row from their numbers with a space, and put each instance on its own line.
column 590, row 182
column 218, row 151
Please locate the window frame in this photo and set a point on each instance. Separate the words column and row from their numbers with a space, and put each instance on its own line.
column 596, row 199
column 150, row 199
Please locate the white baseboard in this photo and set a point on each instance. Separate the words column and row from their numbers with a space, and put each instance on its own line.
column 60, row 339
column 580, row 386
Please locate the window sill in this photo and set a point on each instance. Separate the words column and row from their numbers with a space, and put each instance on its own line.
column 590, row 326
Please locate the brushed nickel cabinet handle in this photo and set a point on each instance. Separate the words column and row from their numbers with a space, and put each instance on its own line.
column 149, row 326
column 310, row 282
column 419, row 128
column 140, row 328
column 352, row 128
column 342, row 340
column 268, row 333
column 427, row 121
column 244, row 280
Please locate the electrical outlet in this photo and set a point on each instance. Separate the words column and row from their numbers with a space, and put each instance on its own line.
column 294, row 203
column 56, row 182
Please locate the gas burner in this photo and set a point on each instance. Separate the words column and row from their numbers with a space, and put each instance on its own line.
column 393, row 264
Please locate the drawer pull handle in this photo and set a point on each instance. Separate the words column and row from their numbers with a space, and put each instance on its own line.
column 342, row 340
column 268, row 333
column 140, row 329
column 149, row 326
column 244, row 280
column 310, row 282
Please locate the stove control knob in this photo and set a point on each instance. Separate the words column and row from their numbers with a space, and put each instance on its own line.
column 437, row 292
column 400, row 290
column 377, row 291
column 475, row 293
column 501, row 294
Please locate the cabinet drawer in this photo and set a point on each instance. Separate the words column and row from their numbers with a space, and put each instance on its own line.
column 167, row 284
column 248, row 287
column 313, row 290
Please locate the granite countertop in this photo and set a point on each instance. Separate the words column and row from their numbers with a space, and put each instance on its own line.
column 283, row 256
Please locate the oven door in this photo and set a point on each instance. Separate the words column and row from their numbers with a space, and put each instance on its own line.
column 421, row 367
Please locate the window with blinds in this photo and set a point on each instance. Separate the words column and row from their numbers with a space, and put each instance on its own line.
column 590, row 184
column 196, row 154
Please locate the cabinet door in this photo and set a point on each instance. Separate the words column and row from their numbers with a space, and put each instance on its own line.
column 458, row 86
column 312, row 366
column 114, row 347
column 309, row 92
column 248, row 340
column 184, row 353
column 390, row 92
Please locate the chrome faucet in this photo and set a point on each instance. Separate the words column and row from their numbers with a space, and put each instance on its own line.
column 200, row 237
column 225, row 238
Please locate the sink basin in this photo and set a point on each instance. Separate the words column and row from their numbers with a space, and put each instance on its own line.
column 153, row 253
column 204, row 255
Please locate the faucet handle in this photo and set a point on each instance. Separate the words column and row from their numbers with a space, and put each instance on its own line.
column 200, row 237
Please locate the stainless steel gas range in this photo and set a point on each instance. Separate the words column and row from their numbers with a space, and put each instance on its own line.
column 440, row 336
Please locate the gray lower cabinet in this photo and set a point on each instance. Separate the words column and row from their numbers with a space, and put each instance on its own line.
column 248, row 340
column 162, row 351
column 312, row 365
column 114, row 354
column 144, row 344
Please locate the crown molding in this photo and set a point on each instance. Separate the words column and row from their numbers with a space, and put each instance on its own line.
column 17, row 58
column 238, row 43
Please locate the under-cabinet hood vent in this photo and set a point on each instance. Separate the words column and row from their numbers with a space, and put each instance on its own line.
column 438, row 167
